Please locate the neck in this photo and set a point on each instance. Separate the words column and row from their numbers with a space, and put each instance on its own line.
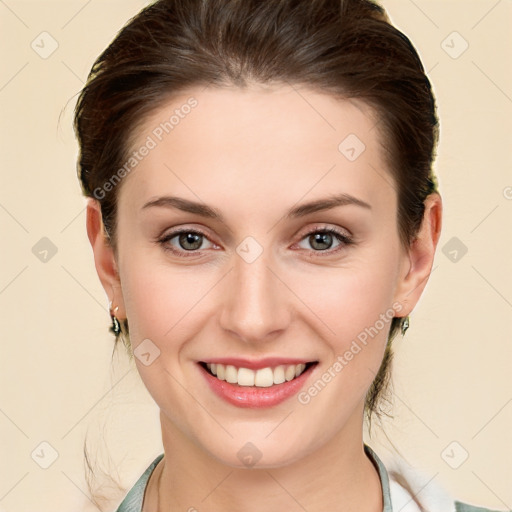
column 338, row 476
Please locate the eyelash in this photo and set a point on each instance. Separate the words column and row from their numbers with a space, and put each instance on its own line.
column 344, row 240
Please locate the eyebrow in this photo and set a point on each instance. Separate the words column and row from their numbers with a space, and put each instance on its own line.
column 299, row 211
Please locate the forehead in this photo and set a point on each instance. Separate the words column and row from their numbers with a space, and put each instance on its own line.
column 260, row 141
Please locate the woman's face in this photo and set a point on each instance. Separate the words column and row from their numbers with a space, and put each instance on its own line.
column 255, row 178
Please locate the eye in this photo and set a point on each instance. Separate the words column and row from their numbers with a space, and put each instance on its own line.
column 322, row 240
column 190, row 242
column 185, row 241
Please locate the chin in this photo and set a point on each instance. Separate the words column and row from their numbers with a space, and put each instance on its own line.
column 258, row 454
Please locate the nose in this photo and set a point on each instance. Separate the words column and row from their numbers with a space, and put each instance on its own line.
column 257, row 305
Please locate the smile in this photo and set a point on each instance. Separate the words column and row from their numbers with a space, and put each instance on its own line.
column 261, row 378
column 267, row 384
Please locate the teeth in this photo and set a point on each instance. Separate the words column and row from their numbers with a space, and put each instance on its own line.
column 262, row 378
column 289, row 373
column 231, row 374
column 299, row 369
column 279, row 375
column 221, row 372
column 245, row 377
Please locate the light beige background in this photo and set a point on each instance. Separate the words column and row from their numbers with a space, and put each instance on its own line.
column 452, row 370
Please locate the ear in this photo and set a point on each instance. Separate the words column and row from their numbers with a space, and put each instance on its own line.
column 104, row 257
column 419, row 258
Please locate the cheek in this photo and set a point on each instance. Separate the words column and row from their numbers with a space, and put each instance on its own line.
column 156, row 296
column 355, row 309
column 349, row 300
column 159, row 306
column 161, row 300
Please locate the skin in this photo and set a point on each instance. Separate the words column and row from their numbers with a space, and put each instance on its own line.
column 254, row 154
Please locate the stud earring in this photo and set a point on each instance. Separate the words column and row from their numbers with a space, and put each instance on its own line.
column 405, row 324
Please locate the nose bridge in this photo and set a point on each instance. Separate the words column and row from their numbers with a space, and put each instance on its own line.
column 255, row 304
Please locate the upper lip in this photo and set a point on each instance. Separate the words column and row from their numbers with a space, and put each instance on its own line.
column 257, row 364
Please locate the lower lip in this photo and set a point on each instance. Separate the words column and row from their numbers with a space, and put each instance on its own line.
column 255, row 397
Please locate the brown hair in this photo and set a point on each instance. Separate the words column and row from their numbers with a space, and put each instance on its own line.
column 346, row 48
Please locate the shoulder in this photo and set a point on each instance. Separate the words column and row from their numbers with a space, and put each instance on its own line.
column 407, row 481
column 433, row 498
column 135, row 497
column 466, row 507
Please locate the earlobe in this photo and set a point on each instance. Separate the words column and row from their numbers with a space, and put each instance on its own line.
column 421, row 255
column 104, row 258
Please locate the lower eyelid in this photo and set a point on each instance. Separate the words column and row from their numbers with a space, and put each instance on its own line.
column 343, row 239
column 166, row 239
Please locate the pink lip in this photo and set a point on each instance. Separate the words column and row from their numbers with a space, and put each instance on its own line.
column 255, row 397
column 271, row 362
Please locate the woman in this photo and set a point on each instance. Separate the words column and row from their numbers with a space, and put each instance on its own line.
column 264, row 217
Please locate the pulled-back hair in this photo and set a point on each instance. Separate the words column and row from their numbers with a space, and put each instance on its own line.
column 345, row 48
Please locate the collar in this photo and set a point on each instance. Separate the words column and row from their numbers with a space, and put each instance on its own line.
column 384, row 478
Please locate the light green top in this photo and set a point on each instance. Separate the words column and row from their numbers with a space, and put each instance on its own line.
column 134, row 499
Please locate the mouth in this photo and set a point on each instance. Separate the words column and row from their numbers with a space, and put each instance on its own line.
column 266, row 377
column 257, row 385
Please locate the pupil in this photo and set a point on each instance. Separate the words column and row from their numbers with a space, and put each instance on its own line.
column 192, row 239
column 321, row 238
